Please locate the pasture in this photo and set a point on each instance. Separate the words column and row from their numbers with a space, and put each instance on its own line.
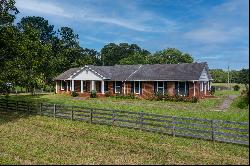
column 26, row 139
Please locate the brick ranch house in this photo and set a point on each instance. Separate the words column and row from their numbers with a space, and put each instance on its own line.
column 183, row 79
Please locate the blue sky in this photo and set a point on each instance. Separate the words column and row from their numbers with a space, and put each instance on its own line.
column 215, row 31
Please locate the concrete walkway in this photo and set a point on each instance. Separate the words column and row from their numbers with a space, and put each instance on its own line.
column 226, row 103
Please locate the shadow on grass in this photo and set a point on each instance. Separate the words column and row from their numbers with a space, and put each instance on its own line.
column 11, row 116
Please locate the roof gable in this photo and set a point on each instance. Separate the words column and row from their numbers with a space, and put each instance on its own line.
column 87, row 74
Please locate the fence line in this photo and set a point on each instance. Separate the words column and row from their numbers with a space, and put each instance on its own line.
column 215, row 130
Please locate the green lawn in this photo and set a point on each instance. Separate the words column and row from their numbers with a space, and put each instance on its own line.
column 230, row 85
column 26, row 139
column 206, row 108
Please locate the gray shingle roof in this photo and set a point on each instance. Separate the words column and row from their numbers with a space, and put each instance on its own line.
column 65, row 75
column 183, row 71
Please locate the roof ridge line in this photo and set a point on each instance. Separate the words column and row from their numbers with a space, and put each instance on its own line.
column 133, row 72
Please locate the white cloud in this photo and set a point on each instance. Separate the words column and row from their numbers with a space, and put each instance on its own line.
column 214, row 35
column 42, row 7
column 133, row 20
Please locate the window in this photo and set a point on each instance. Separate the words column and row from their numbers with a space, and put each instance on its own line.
column 106, row 86
column 160, row 87
column 62, row 84
column 137, row 87
column 118, row 87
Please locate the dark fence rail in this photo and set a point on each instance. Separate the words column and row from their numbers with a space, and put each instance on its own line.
column 215, row 130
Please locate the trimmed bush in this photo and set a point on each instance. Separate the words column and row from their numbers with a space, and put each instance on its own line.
column 212, row 91
column 194, row 99
column 74, row 94
column 93, row 94
column 108, row 94
column 236, row 87
column 122, row 96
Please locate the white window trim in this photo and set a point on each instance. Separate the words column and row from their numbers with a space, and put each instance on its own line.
column 160, row 87
column 115, row 87
column 139, row 87
column 62, row 88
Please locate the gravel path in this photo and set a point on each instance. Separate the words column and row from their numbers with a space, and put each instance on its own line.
column 226, row 103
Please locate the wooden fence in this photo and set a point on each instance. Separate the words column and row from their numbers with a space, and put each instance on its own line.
column 215, row 130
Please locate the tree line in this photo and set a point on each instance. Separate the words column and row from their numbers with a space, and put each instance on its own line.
column 33, row 52
column 234, row 76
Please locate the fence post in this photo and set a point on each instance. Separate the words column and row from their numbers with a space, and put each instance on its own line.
column 141, row 120
column 113, row 117
column 173, row 125
column 212, row 129
column 54, row 110
column 28, row 105
column 17, row 106
column 6, row 105
column 91, row 115
column 72, row 114
column 41, row 108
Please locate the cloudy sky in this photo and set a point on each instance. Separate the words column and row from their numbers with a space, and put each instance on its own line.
column 216, row 31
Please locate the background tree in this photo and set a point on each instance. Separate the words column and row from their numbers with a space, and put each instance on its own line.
column 8, row 12
column 111, row 53
column 170, row 56
column 45, row 30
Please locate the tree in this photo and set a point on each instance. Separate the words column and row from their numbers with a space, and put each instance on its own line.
column 111, row 53
column 134, row 59
column 40, row 24
column 219, row 75
column 243, row 76
column 8, row 12
column 170, row 56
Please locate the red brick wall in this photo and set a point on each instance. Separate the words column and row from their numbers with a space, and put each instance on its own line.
column 171, row 88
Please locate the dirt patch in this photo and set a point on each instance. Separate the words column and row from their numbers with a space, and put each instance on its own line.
column 226, row 103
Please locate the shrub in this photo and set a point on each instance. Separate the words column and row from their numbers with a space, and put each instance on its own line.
column 159, row 96
column 212, row 91
column 93, row 94
column 74, row 94
column 236, row 87
column 108, row 94
column 132, row 96
column 121, row 96
column 194, row 99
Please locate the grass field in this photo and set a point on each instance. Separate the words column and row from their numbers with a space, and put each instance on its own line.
column 28, row 139
column 206, row 108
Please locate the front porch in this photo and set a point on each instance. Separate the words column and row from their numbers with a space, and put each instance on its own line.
column 80, row 86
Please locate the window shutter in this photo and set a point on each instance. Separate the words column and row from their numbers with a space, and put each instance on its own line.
column 114, row 87
column 132, row 86
column 155, row 86
column 187, row 85
column 165, row 87
column 176, row 88
column 140, row 87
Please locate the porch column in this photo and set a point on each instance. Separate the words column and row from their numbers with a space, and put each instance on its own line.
column 73, row 85
column 56, row 87
column 81, row 86
column 194, row 88
column 124, row 89
column 67, row 86
column 185, row 88
column 92, row 85
column 205, row 88
column 102, row 87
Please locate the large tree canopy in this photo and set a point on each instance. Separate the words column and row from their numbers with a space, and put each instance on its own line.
column 8, row 12
column 112, row 53
column 171, row 56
